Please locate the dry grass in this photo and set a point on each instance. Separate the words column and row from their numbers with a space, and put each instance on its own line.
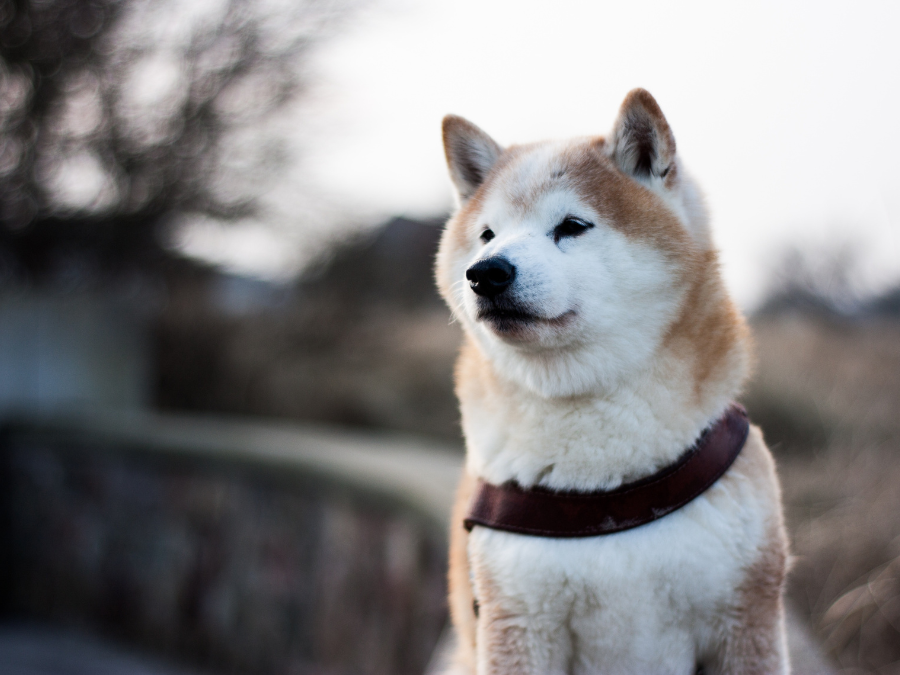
column 828, row 396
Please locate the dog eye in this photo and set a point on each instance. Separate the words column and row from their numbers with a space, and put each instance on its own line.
column 487, row 235
column 570, row 227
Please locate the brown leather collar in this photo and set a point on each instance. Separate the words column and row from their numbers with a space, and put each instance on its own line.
column 546, row 513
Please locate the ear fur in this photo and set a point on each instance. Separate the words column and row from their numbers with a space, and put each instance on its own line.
column 641, row 142
column 470, row 154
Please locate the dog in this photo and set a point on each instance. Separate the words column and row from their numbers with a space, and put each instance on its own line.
column 600, row 346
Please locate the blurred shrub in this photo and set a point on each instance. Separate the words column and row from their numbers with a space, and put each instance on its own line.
column 814, row 280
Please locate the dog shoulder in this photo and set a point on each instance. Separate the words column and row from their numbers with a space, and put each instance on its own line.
column 756, row 466
column 754, row 627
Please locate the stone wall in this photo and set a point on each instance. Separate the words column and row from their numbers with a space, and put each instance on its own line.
column 227, row 565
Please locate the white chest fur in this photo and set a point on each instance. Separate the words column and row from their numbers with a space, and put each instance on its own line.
column 586, row 443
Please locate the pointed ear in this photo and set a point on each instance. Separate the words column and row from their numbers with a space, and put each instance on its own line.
column 641, row 143
column 470, row 154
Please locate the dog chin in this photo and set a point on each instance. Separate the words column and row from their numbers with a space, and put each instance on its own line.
column 517, row 324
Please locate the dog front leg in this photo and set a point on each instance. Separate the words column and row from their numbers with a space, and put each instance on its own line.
column 514, row 643
column 756, row 642
column 753, row 649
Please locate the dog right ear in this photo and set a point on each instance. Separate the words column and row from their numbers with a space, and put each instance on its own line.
column 642, row 143
column 470, row 154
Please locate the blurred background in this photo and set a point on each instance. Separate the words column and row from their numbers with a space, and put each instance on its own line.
column 217, row 227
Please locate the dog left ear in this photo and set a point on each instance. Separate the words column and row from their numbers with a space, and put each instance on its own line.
column 641, row 143
column 471, row 154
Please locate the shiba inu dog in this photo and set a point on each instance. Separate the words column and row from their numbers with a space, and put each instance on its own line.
column 600, row 344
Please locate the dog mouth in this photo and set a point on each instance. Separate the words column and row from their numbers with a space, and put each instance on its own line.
column 510, row 319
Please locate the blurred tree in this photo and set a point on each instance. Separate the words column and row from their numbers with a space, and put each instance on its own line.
column 118, row 117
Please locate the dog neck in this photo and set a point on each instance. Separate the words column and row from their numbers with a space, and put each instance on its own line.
column 623, row 432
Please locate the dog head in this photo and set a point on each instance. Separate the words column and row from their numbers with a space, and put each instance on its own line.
column 569, row 262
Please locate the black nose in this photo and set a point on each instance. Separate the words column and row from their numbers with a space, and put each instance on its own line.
column 491, row 276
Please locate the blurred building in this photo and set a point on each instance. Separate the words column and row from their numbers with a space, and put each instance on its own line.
column 362, row 338
column 65, row 350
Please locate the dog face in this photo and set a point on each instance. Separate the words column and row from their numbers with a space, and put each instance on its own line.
column 568, row 261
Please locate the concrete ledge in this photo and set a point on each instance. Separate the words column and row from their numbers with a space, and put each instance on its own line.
column 420, row 473
column 236, row 547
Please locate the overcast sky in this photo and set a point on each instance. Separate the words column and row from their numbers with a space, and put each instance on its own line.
column 786, row 112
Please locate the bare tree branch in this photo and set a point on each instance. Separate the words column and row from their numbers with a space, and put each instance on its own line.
column 117, row 116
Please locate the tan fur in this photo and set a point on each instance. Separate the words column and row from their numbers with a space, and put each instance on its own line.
column 469, row 366
column 501, row 632
column 754, row 645
column 631, row 208
column 462, row 602
column 708, row 327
